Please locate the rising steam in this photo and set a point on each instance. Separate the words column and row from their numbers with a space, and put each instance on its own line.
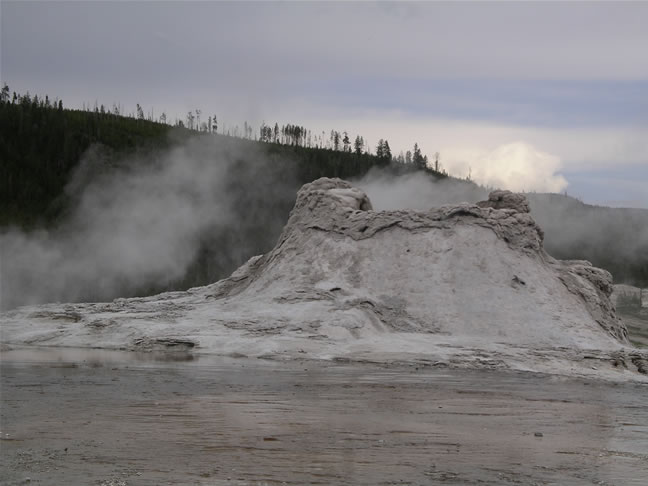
column 141, row 224
column 141, row 221
column 515, row 166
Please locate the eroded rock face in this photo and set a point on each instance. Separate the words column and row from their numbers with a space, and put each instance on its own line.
column 320, row 206
column 334, row 208
column 466, row 285
column 506, row 200
column 594, row 286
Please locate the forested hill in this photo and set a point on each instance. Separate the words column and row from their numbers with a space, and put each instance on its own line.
column 41, row 144
column 82, row 174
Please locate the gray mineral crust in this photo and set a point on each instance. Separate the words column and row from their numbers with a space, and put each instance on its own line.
column 465, row 285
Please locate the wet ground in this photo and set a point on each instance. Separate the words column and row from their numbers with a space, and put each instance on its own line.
column 112, row 418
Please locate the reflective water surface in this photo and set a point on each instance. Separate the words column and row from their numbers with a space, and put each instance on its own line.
column 116, row 418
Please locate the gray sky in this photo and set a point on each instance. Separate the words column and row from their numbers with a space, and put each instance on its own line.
column 530, row 96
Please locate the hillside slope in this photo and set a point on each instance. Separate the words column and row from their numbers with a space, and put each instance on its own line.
column 612, row 238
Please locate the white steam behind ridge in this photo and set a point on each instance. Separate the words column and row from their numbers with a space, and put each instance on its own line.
column 516, row 166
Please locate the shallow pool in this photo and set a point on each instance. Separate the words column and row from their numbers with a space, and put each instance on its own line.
column 119, row 418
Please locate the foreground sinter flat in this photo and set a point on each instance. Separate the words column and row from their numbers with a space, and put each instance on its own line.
column 464, row 286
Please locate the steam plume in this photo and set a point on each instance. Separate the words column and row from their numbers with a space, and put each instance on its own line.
column 140, row 222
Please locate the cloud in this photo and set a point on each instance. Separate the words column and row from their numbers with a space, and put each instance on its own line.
column 516, row 166
column 245, row 46
column 567, row 78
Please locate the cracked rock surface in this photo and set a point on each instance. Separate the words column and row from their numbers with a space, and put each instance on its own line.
column 461, row 286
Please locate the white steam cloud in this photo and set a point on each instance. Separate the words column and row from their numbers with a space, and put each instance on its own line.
column 139, row 223
column 416, row 190
column 515, row 166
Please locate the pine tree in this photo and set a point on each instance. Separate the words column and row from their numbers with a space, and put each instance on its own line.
column 417, row 158
column 357, row 145
column 387, row 151
column 4, row 95
column 380, row 148
column 336, row 140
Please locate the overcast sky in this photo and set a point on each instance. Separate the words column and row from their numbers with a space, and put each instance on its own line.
column 530, row 96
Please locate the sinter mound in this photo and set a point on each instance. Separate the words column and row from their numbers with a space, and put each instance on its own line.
column 463, row 285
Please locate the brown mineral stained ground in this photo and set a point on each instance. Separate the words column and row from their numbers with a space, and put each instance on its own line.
column 112, row 418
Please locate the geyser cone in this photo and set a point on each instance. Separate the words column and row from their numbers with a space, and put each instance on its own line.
column 464, row 286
